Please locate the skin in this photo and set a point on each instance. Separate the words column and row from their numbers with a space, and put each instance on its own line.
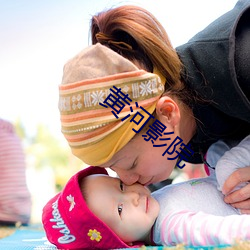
column 139, row 155
column 130, row 211
column 240, row 198
column 131, row 161
column 140, row 162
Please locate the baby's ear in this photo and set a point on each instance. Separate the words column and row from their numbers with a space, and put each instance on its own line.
column 168, row 111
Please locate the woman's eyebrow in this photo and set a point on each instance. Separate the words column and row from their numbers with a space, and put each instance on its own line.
column 115, row 162
column 127, row 169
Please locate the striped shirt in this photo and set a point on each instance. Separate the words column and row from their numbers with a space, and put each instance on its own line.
column 15, row 200
column 194, row 212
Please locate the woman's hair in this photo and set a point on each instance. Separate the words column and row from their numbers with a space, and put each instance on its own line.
column 137, row 35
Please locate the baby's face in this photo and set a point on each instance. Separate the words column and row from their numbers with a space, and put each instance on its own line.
column 130, row 211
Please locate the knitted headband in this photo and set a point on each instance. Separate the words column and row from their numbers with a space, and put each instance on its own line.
column 100, row 92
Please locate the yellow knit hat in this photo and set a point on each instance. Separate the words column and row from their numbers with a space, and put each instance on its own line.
column 94, row 131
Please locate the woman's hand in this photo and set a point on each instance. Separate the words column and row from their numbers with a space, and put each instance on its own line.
column 240, row 198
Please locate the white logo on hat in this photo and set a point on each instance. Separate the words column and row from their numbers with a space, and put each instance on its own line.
column 67, row 237
column 72, row 203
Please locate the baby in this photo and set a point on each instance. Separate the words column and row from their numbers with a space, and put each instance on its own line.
column 96, row 211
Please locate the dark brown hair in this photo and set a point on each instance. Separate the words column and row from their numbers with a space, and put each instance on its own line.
column 136, row 34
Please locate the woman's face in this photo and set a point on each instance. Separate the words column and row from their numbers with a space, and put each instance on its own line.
column 140, row 162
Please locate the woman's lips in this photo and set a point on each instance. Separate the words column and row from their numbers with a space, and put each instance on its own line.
column 148, row 183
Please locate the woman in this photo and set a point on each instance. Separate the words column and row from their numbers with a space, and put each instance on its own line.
column 206, row 95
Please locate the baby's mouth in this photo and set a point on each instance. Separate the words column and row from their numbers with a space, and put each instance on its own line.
column 147, row 203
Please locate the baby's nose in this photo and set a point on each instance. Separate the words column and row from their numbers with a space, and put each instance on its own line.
column 133, row 197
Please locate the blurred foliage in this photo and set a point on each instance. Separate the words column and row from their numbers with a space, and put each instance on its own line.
column 45, row 150
column 20, row 130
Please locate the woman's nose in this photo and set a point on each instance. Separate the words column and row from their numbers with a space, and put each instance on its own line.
column 126, row 177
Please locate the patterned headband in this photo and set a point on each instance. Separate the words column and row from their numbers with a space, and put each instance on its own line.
column 99, row 96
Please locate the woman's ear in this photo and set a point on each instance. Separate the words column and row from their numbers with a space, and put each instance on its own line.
column 168, row 111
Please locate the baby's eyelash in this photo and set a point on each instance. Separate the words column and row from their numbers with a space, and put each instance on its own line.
column 120, row 207
column 121, row 185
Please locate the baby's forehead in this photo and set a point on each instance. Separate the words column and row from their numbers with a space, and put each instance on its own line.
column 90, row 182
column 98, row 183
column 97, row 177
